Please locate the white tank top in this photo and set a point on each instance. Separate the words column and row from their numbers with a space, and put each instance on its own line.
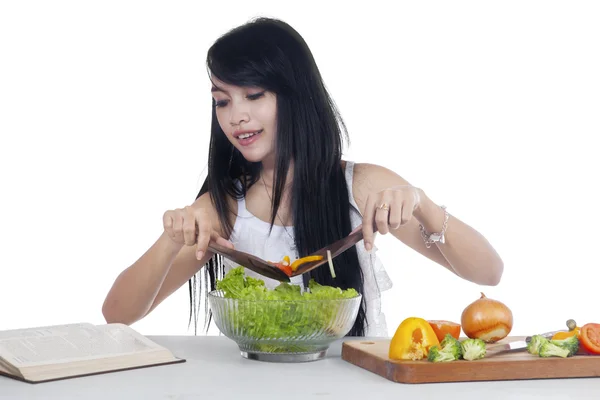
column 251, row 234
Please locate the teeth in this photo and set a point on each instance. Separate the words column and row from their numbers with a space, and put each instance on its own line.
column 247, row 135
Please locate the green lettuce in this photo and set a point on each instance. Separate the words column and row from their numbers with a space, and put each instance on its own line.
column 288, row 313
column 236, row 285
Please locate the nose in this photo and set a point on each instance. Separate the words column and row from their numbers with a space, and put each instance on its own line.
column 239, row 114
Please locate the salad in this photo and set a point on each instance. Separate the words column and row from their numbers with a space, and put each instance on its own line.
column 284, row 312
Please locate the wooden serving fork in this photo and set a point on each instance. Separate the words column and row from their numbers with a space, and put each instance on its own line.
column 269, row 270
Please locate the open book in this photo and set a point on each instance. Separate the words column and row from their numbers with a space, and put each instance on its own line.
column 66, row 351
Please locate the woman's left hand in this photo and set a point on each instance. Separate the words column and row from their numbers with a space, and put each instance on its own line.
column 388, row 210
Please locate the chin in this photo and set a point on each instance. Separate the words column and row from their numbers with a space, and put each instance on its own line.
column 253, row 156
column 253, row 159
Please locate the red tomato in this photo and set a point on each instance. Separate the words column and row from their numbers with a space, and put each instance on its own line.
column 589, row 337
column 285, row 268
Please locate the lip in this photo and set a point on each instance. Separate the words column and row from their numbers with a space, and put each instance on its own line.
column 247, row 141
column 237, row 133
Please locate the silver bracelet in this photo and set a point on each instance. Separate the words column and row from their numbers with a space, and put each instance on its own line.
column 435, row 237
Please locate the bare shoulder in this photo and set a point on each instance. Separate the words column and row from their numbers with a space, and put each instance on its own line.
column 372, row 178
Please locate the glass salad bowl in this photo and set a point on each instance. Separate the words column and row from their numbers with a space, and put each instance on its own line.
column 297, row 329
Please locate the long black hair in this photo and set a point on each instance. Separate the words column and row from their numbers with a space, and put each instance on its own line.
column 270, row 54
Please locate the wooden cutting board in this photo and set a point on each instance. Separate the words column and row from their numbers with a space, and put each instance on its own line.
column 373, row 356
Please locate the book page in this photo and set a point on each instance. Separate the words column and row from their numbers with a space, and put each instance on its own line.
column 67, row 343
column 6, row 369
column 129, row 338
column 51, row 330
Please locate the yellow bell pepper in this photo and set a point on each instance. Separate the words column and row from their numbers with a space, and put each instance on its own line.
column 412, row 340
column 565, row 334
column 301, row 261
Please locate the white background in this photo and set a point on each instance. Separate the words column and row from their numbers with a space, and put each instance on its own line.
column 491, row 107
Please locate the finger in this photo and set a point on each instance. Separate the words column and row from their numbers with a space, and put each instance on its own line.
column 178, row 227
column 407, row 210
column 167, row 220
column 368, row 222
column 204, row 233
column 168, row 224
column 395, row 213
column 381, row 220
column 382, row 215
column 189, row 228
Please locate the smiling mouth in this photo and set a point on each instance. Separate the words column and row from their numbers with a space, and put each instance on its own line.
column 248, row 135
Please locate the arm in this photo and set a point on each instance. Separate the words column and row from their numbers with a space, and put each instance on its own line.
column 465, row 251
column 170, row 262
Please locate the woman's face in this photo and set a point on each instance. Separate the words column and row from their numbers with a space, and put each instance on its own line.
column 248, row 116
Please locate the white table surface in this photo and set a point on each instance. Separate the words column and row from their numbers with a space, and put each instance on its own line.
column 216, row 370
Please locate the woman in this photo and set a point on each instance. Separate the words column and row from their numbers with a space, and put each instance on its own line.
column 277, row 186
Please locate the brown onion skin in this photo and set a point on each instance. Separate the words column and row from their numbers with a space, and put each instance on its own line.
column 476, row 324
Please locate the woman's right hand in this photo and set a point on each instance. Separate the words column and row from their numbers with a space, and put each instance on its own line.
column 191, row 226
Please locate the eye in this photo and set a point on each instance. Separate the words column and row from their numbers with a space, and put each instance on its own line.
column 221, row 103
column 256, row 96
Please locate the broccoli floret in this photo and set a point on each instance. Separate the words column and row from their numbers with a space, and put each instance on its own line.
column 473, row 349
column 571, row 343
column 448, row 350
column 533, row 347
column 451, row 345
column 549, row 349
column 544, row 347
column 440, row 355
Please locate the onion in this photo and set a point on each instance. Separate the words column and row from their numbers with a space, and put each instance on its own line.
column 330, row 262
column 487, row 319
